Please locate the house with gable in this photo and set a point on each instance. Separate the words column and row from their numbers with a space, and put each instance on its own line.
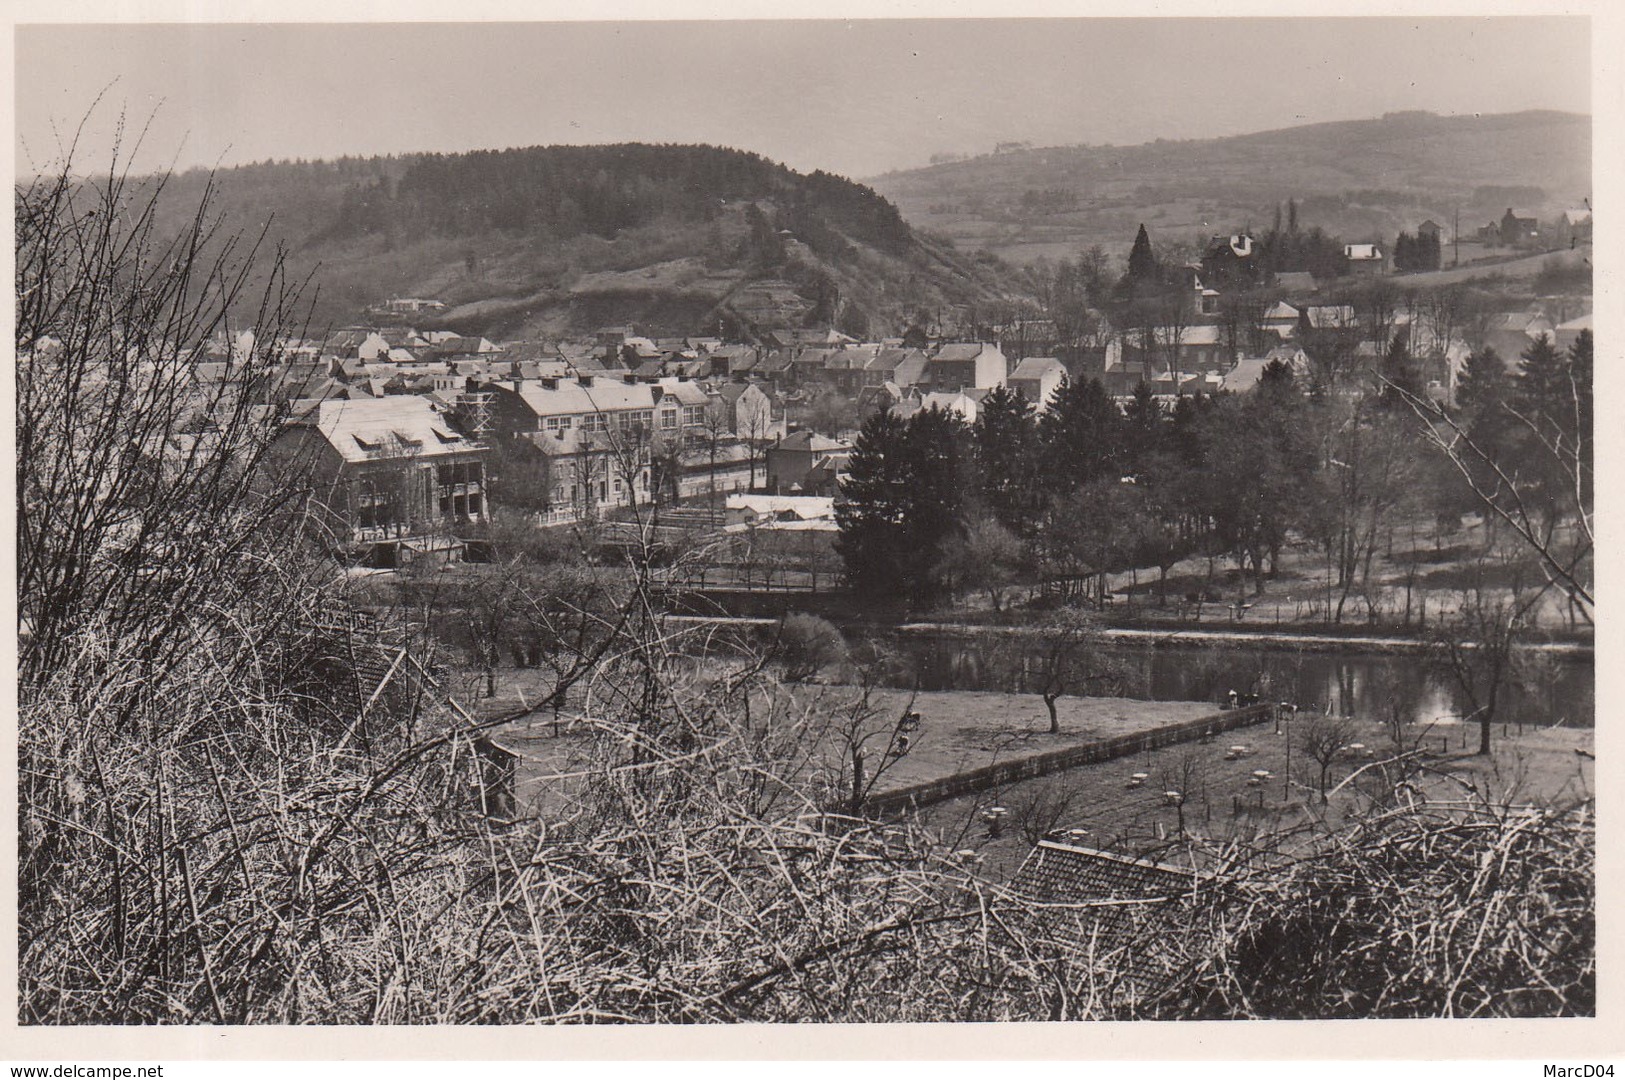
column 356, row 343
column 1364, row 260
column 1518, row 228
column 805, row 463
column 748, row 411
column 1037, row 377
column 579, row 445
column 392, row 478
column 1576, row 223
column 966, row 365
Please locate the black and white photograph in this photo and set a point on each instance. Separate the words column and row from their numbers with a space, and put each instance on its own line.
column 934, row 520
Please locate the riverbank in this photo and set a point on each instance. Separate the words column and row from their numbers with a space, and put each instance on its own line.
column 1284, row 639
column 1276, row 639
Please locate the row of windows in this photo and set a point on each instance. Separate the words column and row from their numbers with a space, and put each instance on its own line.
column 460, row 472
column 691, row 416
column 567, row 492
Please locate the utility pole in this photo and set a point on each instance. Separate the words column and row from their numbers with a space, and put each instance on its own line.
column 1456, row 259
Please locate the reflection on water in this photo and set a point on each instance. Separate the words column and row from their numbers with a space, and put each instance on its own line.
column 1545, row 688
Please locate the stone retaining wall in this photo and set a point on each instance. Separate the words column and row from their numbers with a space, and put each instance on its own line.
column 890, row 804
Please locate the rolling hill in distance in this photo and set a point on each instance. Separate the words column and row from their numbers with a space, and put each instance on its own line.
column 551, row 241
column 559, row 240
column 1361, row 179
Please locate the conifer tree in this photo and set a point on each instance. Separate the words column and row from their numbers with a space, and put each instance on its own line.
column 872, row 516
column 1080, row 435
column 1142, row 264
column 1483, row 385
column 1543, row 392
column 1400, row 381
column 1004, row 439
column 1144, row 428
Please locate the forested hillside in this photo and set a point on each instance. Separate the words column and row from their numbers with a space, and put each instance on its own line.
column 559, row 239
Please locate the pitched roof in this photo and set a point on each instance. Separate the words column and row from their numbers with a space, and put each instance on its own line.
column 810, row 440
column 364, row 429
column 1036, row 367
column 1058, row 872
column 1323, row 316
column 911, row 369
column 888, row 358
column 1245, row 375
column 733, row 391
column 961, row 351
column 568, row 397
column 682, row 391
column 454, row 345
column 1101, row 903
column 1199, row 334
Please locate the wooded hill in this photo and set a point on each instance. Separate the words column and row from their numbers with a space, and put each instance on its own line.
column 1360, row 179
column 559, row 239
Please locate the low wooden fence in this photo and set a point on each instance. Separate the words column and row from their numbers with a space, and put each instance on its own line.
column 891, row 804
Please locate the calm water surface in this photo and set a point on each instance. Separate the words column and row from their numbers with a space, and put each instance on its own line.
column 1547, row 688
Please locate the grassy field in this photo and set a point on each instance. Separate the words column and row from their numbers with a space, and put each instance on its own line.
column 1535, row 767
column 958, row 731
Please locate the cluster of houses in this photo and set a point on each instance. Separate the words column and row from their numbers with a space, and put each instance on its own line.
column 412, row 434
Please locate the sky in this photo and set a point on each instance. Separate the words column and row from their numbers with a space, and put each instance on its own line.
column 853, row 97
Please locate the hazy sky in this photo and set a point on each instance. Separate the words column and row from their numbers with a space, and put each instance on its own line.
column 856, row 98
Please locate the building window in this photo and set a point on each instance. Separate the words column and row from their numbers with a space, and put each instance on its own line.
column 668, row 419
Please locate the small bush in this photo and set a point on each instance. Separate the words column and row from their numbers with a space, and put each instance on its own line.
column 807, row 645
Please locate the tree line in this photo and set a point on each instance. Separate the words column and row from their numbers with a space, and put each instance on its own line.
column 935, row 507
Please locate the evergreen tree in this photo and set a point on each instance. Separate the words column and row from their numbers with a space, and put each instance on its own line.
column 1543, row 392
column 1277, row 379
column 1080, row 436
column 873, row 538
column 1145, row 426
column 904, row 503
column 1405, row 252
column 1544, row 397
column 1482, row 387
column 1400, row 381
column 937, row 446
column 1004, row 439
column 1142, row 264
column 1184, row 430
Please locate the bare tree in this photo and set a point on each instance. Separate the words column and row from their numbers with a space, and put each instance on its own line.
column 1068, row 658
column 1323, row 739
column 1564, row 555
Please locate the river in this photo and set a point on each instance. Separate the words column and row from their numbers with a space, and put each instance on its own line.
column 1545, row 688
